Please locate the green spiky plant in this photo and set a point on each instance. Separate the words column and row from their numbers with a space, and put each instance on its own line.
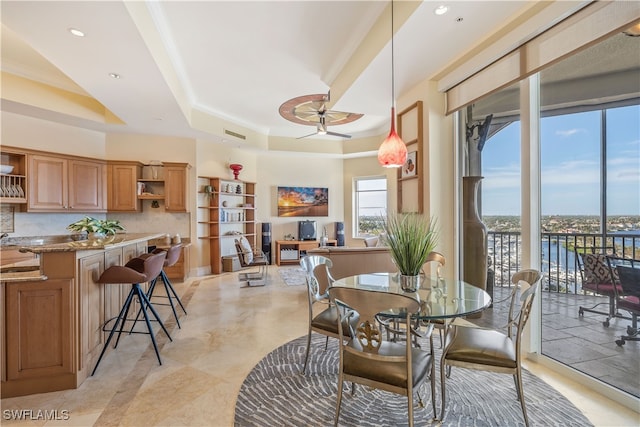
column 410, row 238
column 94, row 225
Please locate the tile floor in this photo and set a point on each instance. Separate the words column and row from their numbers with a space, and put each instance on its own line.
column 227, row 331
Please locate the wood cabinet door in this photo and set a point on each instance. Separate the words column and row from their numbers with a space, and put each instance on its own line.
column 114, row 295
column 39, row 329
column 92, row 306
column 48, row 184
column 87, row 189
column 122, row 187
column 175, row 188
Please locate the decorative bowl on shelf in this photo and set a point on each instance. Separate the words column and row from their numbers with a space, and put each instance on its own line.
column 6, row 169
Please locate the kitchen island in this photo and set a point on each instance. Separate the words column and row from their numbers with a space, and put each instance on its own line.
column 53, row 316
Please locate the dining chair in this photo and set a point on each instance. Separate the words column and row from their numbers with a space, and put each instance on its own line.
column 367, row 358
column 627, row 276
column 250, row 257
column 597, row 278
column 492, row 350
column 323, row 316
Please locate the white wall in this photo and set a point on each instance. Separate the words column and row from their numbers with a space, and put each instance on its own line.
column 289, row 170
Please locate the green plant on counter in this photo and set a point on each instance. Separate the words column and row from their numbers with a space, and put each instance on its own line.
column 410, row 238
column 94, row 225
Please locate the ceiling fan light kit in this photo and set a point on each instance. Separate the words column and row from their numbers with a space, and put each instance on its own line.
column 393, row 151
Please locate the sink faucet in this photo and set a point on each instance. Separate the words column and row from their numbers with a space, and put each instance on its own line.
column 4, row 235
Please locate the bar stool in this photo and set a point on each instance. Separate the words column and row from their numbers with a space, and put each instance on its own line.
column 173, row 253
column 136, row 271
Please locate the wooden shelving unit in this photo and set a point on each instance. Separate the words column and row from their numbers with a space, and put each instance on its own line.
column 231, row 213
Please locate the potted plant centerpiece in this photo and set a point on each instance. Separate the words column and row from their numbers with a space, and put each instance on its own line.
column 97, row 228
column 411, row 238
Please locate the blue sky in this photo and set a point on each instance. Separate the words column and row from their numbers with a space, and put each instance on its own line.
column 570, row 158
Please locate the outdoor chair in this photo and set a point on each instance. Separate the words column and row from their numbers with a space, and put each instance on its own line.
column 492, row 350
column 249, row 258
column 367, row 359
column 323, row 316
column 597, row 278
column 628, row 298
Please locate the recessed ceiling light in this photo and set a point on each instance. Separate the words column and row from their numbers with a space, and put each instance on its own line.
column 76, row 32
column 441, row 10
column 115, row 75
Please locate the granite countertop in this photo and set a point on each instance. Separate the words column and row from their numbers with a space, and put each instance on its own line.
column 95, row 244
column 22, row 271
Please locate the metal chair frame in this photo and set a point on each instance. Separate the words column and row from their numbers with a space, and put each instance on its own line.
column 260, row 260
column 532, row 278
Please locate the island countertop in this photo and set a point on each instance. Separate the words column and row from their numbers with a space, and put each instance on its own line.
column 92, row 244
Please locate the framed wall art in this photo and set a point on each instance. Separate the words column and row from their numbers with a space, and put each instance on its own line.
column 410, row 167
column 303, row 201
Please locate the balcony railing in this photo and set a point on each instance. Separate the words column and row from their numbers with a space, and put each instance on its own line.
column 559, row 261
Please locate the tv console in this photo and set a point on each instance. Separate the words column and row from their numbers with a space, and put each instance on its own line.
column 289, row 251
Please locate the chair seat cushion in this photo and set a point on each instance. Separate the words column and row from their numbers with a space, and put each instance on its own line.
column 630, row 303
column 327, row 320
column 389, row 372
column 483, row 346
column 601, row 288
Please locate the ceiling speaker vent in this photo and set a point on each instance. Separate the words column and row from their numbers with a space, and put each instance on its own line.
column 234, row 134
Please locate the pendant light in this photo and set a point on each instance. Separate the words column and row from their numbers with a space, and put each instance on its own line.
column 393, row 151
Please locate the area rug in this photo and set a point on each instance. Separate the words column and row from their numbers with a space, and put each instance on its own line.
column 293, row 276
column 276, row 394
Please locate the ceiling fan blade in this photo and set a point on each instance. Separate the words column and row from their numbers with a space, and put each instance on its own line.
column 341, row 135
column 306, row 136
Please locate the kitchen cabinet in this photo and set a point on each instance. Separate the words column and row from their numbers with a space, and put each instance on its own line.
column 168, row 183
column 231, row 213
column 13, row 185
column 122, row 192
column 39, row 330
column 58, row 184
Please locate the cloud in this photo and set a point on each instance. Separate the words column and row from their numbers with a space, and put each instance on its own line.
column 569, row 132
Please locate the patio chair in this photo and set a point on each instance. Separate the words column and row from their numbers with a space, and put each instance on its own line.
column 491, row 350
column 627, row 276
column 323, row 316
column 250, row 257
column 367, row 359
column 597, row 279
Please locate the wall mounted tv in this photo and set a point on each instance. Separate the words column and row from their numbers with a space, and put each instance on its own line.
column 303, row 201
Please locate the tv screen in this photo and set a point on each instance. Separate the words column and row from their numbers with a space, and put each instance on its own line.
column 303, row 201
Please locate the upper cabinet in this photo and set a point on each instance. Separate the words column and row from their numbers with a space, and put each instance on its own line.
column 122, row 190
column 58, row 184
column 175, row 187
column 167, row 183
column 13, row 187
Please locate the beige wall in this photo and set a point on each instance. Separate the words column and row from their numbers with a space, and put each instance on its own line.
column 268, row 169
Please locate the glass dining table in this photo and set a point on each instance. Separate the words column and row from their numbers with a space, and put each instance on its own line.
column 440, row 298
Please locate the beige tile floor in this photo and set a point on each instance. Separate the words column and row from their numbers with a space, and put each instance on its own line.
column 227, row 331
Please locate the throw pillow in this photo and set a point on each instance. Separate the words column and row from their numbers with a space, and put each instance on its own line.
column 596, row 269
column 247, row 250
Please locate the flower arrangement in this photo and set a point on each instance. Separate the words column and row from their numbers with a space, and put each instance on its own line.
column 94, row 225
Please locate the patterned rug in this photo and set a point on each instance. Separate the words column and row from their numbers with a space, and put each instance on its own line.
column 293, row 276
column 276, row 394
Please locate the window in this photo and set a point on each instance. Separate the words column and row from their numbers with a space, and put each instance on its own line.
column 370, row 203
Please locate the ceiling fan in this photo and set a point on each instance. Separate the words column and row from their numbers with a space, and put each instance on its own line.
column 322, row 128
column 312, row 110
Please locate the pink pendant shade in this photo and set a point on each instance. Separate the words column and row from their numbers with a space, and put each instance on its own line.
column 393, row 151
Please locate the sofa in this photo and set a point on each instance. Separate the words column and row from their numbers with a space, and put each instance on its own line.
column 349, row 261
